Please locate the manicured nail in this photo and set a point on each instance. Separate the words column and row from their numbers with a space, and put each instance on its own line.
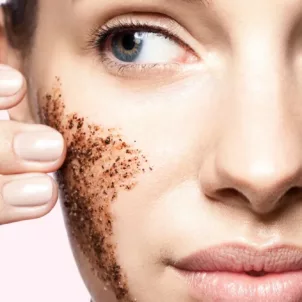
column 30, row 192
column 45, row 146
column 11, row 81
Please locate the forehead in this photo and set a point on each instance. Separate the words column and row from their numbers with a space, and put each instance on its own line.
column 222, row 9
column 185, row 3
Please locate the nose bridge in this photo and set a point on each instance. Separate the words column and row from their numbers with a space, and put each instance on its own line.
column 260, row 109
column 260, row 118
column 259, row 65
column 258, row 154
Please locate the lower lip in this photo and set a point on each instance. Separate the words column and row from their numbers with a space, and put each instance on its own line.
column 224, row 286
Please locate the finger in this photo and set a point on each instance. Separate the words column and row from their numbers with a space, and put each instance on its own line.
column 27, row 196
column 12, row 87
column 27, row 148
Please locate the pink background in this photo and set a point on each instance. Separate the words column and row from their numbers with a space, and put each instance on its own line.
column 36, row 263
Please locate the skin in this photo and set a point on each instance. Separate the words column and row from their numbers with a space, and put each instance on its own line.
column 221, row 132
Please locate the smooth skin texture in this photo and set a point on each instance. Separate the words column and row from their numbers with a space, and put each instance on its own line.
column 220, row 121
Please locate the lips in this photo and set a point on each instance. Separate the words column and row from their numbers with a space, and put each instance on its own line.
column 241, row 273
column 239, row 259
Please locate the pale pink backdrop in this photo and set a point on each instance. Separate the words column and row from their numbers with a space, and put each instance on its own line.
column 36, row 263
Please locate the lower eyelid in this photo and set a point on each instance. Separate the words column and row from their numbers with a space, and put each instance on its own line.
column 131, row 70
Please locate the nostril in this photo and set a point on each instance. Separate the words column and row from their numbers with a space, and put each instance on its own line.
column 256, row 274
column 231, row 193
column 294, row 192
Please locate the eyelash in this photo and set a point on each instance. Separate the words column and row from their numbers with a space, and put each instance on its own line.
column 99, row 36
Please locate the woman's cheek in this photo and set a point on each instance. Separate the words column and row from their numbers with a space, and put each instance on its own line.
column 99, row 164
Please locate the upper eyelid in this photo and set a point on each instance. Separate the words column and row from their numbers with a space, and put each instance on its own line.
column 160, row 21
column 150, row 28
column 162, row 24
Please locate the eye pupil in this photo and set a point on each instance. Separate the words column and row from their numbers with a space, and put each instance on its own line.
column 129, row 41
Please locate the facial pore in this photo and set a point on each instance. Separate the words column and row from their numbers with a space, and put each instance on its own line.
column 98, row 165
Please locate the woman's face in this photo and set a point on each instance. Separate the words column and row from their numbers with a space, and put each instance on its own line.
column 183, row 122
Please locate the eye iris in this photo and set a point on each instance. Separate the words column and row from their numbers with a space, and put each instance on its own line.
column 127, row 46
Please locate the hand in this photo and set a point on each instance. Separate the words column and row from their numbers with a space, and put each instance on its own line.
column 27, row 153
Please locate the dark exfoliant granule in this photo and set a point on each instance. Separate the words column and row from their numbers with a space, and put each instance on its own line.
column 99, row 163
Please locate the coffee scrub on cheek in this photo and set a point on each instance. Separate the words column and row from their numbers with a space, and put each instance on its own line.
column 99, row 164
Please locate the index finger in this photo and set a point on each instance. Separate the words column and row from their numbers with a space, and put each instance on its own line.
column 12, row 87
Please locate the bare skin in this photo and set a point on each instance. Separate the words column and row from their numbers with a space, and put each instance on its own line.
column 212, row 125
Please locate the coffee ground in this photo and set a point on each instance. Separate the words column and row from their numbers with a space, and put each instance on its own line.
column 99, row 163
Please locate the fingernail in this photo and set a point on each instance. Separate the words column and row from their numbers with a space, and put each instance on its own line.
column 30, row 192
column 39, row 146
column 11, row 81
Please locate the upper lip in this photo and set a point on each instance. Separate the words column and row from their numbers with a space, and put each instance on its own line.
column 240, row 259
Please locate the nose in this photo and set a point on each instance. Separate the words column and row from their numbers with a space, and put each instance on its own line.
column 257, row 158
